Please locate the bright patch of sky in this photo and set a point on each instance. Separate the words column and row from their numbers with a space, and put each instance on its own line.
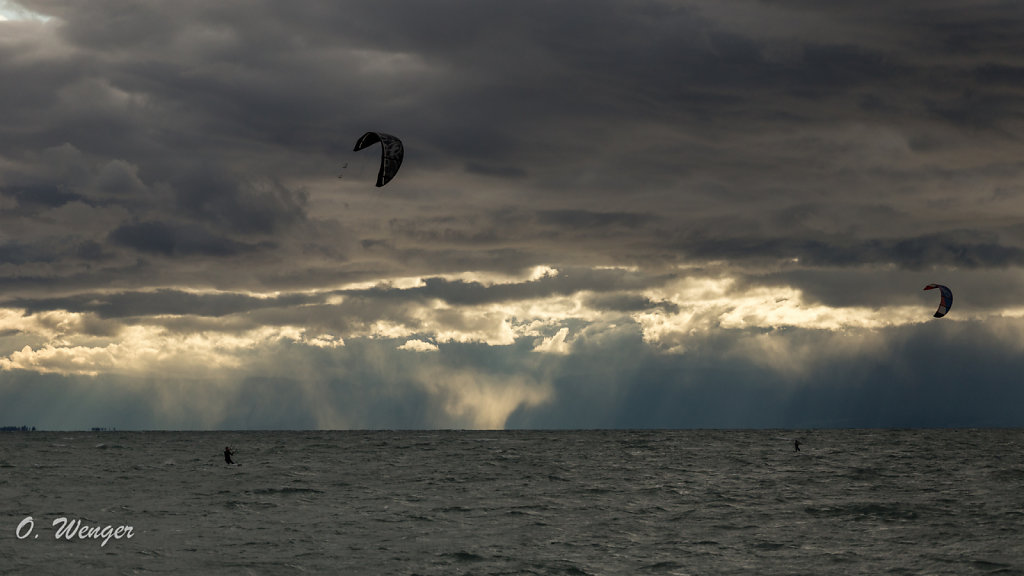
column 10, row 11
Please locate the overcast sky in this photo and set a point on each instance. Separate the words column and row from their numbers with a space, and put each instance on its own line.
column 611, row 214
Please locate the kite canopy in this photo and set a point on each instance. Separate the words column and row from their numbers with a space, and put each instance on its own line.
column 391, row 154
column 946, row 301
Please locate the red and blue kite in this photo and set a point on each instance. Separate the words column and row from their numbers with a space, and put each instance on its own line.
column 946, row 302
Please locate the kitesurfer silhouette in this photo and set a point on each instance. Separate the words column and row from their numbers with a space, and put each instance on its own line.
column 796, row 445
column 227, row 455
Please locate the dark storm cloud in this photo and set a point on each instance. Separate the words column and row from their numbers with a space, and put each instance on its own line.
column 1000, row 74
column 444, row 259
column 204, row 97
column 964, row 248
column 53, row 251
column 608, row 289
column 577, row 219
column 15, row 253
column 496, row 171
column 566, row 282
column 238, row 204
column 629, row 303
column 523, row 228
column 43, row 195
column 129, row 304
column 167, row 239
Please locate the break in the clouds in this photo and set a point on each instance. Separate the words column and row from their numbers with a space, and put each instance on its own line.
column 610, row 214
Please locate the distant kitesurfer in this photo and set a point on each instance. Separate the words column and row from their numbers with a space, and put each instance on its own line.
column 228, row 453
column 796, row 445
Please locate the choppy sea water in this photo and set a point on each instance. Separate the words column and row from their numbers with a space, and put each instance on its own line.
column 487, row 503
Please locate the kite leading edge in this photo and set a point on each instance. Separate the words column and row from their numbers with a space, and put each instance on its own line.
column 392, row 153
